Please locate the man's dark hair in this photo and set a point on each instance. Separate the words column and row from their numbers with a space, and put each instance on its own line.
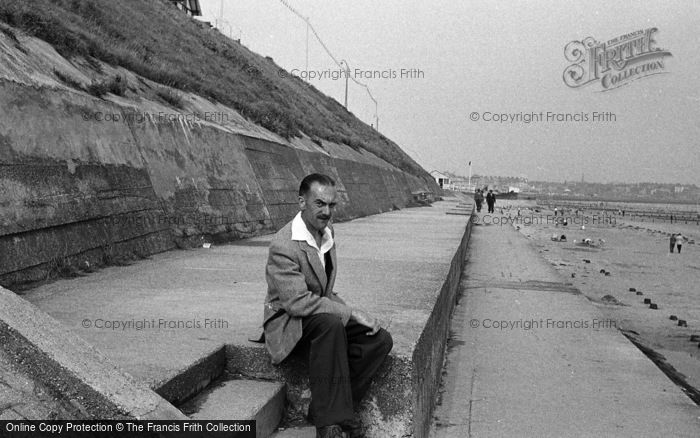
column 320, row 178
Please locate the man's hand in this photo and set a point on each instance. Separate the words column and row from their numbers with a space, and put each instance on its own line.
column 366, row 319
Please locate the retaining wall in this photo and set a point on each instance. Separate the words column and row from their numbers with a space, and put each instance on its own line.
column 76, row 192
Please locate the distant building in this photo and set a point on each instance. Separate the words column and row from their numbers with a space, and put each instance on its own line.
column 441, row 179
column 459, row 184
column 660, row 191
column 191, row 7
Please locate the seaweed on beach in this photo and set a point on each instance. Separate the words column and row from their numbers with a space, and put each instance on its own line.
column 609, row 299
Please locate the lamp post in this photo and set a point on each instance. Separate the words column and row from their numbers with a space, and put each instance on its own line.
column 307, row 45
column 347, row 75
column 221, row 10
column 376, row 108
column 470, row 176
column 376, row 114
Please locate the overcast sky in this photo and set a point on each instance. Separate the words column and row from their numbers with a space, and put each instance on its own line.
column 498, row 57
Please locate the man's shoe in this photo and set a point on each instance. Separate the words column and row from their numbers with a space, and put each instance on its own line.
column 332, row 431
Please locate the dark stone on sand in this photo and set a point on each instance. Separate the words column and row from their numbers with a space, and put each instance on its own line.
column 573, row 275
column 673, row 317
column 607, row 274
column 609, row 299
column 694, row 338
column 602, row 271
column 653, row 306
column 633, row 289
column 682, row 323
column 639, row 293
column 647, row 300
column 586, row 260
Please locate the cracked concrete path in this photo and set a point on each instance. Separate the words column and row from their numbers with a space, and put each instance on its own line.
column 530, row 356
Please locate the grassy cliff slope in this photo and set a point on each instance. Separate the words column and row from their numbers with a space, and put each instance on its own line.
column 155, row 40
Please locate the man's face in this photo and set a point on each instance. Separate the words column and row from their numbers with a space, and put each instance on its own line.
column 317, row 206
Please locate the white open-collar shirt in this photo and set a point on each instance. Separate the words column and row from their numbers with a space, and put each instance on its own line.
column 301, row 233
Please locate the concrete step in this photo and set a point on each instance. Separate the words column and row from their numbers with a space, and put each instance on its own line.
column 193, row 378
column 241, row 400
column 296, row 432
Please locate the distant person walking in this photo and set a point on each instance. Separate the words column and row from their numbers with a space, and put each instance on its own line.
column 491, row 200
column 672, row 242
column 479, row 199
column 679, row 242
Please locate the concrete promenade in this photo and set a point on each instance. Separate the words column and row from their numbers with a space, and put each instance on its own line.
column 531, row 356
column 159, row 318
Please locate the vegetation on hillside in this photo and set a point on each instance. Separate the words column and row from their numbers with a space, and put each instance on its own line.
column 154, row 39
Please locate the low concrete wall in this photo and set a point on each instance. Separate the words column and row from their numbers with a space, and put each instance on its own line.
column 429, row 354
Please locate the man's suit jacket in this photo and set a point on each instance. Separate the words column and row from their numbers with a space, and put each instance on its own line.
column 297, row 286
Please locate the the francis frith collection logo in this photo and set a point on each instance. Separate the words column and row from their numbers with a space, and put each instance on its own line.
column 615, row 62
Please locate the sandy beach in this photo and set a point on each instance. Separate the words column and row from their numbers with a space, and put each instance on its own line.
column 636, row 255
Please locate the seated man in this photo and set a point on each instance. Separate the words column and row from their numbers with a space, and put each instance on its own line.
column 346, row 345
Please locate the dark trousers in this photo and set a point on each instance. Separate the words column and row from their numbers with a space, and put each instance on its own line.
column 491, row 204
column 342, row 361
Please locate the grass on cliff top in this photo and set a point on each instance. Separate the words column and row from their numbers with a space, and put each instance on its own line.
column 155, row 40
